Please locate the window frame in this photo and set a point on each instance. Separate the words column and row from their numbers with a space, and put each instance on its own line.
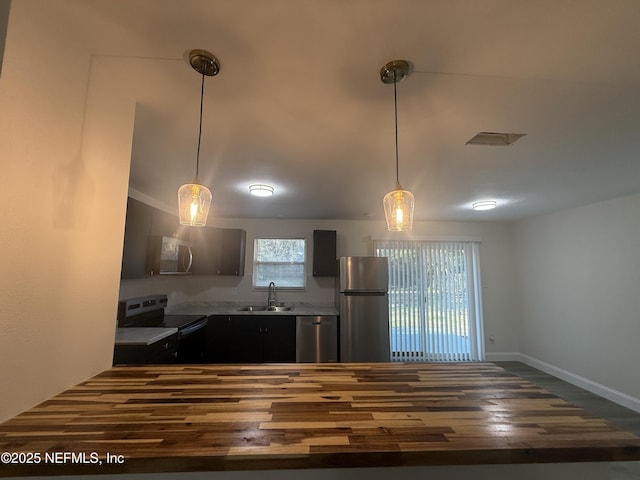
column 279, row 287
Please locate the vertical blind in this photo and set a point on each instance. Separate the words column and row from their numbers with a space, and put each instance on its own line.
column 435, row 305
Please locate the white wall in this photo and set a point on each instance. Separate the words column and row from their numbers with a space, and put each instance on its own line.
column 354, row 238
column 579, row 284
column 63, row 201
column 66, row 126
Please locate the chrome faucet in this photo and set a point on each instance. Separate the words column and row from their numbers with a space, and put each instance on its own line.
column 271, row 296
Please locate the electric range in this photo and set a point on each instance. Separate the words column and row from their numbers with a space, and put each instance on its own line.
column 148, row 312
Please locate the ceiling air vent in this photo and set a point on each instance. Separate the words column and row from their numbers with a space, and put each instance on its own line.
column 494, row 139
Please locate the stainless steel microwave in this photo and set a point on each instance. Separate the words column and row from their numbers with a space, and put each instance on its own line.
column 168, row 256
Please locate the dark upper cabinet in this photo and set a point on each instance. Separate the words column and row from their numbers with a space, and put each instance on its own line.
column 218, row 251
column 206, row 250
column 324, row 253
column 233, row 244
column 144, row 227
column 164, row 224
column 136, row 232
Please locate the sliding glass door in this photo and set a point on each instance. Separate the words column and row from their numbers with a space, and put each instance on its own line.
column 435, row 304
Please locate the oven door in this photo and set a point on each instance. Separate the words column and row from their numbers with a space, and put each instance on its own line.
column 192, row 342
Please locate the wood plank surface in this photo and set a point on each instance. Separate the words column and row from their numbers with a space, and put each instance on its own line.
column 248, row 417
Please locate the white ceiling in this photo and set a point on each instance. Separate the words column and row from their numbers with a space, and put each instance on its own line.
column 299, row 103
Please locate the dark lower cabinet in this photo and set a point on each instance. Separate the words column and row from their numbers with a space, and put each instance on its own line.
column 216, row 347
column 164, row 351
column 251, row 339
column 279, row 339
column 244, row 340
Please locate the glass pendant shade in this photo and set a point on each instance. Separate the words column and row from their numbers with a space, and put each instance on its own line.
column 398, row 209
column 194, row 201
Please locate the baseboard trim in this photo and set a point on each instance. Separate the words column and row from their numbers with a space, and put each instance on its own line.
column 609, row 393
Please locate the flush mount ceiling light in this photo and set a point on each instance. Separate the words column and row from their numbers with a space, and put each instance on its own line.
column 398, row 203
column 194, row 199
column 261, row 190
column 485, row 205
column 494, row 139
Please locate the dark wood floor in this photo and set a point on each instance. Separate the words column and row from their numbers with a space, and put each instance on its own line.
column 612, row 412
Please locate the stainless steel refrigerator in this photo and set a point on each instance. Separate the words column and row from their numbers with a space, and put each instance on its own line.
column 363, row 301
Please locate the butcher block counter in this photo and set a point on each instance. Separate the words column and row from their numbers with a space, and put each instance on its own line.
column 296, row 416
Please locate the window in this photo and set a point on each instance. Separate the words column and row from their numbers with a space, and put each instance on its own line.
column 435, row 304
column 279, row 260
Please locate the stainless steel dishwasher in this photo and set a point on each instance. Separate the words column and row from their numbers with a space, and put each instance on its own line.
column 317, row 338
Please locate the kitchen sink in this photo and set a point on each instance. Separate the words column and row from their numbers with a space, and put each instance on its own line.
column 252, row 308
column 262, row 308
column 278, row 309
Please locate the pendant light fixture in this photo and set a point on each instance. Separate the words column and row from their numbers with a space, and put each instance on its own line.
column 398, row 203
column 194, row 199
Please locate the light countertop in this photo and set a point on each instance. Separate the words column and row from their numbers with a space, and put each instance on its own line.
column 142, row 335
column 232, row 308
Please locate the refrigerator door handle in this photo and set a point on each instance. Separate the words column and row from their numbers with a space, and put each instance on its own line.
column 369, row 293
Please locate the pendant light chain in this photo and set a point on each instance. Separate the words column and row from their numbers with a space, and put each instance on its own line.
column 200, row 127
column 395, row 111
